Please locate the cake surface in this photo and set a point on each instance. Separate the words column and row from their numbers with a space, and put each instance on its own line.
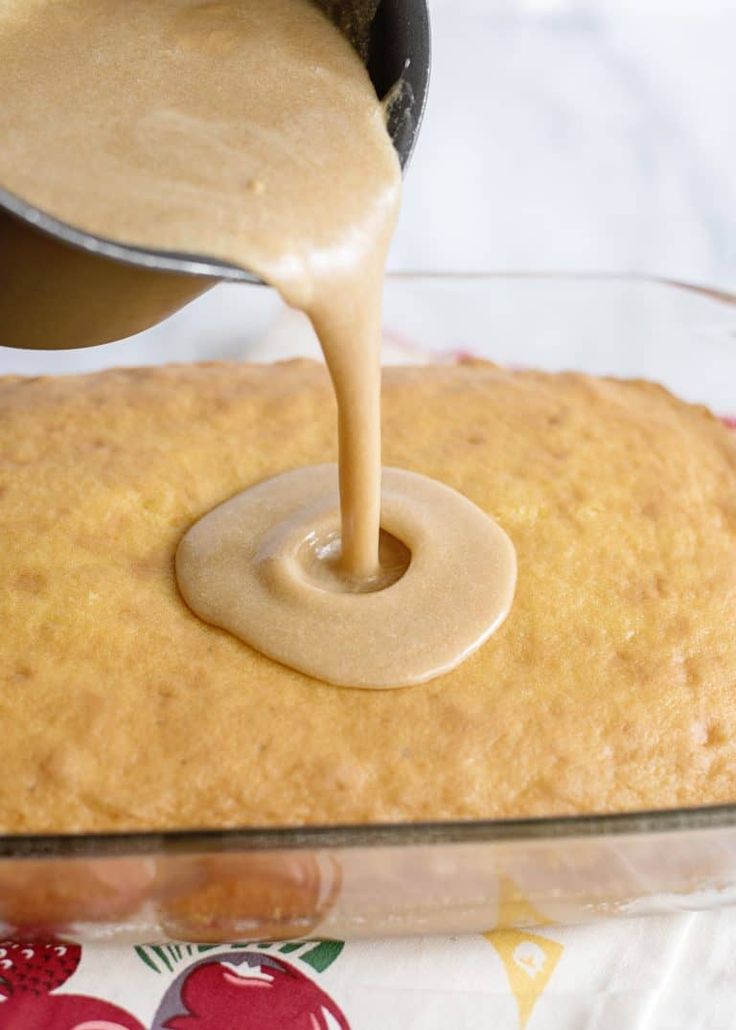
column 610, row 686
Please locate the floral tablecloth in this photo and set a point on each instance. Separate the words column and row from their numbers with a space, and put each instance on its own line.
column 658, row 973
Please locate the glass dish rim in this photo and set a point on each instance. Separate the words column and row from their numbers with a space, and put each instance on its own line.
column 251, row 839
column 84, row 845
column 717, row 294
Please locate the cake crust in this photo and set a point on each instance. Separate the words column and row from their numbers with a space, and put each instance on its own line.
column 610, row 687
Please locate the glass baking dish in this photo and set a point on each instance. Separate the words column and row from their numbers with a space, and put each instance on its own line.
column 213, row 885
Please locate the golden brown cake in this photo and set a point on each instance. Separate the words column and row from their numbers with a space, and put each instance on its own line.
column 611, row 685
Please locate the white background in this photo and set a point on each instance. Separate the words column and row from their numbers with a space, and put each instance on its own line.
column 577, row 135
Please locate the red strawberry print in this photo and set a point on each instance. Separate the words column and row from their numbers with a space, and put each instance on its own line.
column 29, row 972
column 36, row 968
column 247, row 991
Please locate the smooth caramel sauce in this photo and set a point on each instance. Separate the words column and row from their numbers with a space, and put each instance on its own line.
column 446, row 581
column 248, row 130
